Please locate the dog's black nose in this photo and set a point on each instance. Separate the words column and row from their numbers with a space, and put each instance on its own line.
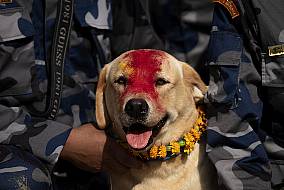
column 136, row 108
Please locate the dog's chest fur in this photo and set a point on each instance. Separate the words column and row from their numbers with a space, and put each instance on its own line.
column 194, row 172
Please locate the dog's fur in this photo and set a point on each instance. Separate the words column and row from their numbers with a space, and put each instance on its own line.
column 170, row 88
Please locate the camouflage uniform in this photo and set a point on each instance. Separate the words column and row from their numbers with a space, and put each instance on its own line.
column 29, row 144
column 244, row 142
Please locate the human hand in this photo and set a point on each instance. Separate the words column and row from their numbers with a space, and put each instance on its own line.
column 90, row 149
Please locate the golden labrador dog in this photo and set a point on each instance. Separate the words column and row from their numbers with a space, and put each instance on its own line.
column 148, row 98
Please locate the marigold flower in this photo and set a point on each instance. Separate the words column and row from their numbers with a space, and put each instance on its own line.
column 154, row 152
column 175, row 148
column 162, row 152
column 188, row 138
column 188, row 149
column 199, row 121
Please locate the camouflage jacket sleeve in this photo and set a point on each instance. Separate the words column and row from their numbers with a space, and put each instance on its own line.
column 26, row 35
column 44, row 138
column 234, row 109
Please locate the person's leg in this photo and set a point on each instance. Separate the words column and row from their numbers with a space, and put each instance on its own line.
column 273, row 124
column 65, row 176
column 21, row 170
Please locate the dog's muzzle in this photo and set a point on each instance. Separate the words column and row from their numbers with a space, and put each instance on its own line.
column 136, row 108
column 140, row 136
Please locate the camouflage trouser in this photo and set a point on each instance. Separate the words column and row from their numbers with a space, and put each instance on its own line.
column 235, row 140
column 273, row 124
column 21, row 170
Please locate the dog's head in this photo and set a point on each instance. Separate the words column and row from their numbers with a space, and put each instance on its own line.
column 148, row 97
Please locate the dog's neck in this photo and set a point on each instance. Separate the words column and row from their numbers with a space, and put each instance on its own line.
column 184, row 145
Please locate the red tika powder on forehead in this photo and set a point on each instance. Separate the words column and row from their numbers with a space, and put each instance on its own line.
column 145, row 65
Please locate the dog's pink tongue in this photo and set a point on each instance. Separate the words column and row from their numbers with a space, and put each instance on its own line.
column 138, row 141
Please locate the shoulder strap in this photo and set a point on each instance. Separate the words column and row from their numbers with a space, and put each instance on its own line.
column 59, row 48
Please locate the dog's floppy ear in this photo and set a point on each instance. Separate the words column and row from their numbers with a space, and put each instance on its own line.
column 101, row 112
column 193, row 80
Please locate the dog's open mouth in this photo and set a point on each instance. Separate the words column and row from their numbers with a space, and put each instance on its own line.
column 139, row 136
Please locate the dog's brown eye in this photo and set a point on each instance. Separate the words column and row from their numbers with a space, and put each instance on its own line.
column 161, row 82
column 121, row 80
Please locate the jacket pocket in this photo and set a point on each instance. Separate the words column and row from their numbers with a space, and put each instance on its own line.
column 273, row 71
column 224, row 57
column 16, row 51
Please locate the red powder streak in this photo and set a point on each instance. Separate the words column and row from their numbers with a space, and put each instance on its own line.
column 146, row 64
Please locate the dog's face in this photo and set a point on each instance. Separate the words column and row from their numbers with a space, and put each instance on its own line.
column 148, row 97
